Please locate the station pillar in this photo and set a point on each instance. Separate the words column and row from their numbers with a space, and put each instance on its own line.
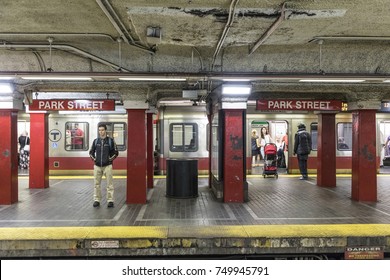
column 136, row 152
column 39, row 152
column 364, row 181
column 326, row 153
column 233, row 154
column 8, row 157
column 150, row 148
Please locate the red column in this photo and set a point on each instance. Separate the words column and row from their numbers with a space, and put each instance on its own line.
column 150, row 156
column 136, row 156
column 326, row 153
column 364, row 182
column 39, row 159
column 233, row 155
column 8, row 157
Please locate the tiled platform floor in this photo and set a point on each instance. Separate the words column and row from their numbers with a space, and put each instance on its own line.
column 287, row 200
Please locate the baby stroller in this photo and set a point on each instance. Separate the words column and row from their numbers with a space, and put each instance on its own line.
column 270, row 160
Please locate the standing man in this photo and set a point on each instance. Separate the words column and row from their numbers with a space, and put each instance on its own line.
column 302, row 148
column 103, row 152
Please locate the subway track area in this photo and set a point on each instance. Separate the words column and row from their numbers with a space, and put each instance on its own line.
column 283, row 217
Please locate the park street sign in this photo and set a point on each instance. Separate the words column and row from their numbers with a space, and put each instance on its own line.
column 299, row 105
column 72, row 105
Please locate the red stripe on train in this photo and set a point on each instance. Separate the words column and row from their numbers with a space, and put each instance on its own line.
column 80, row 163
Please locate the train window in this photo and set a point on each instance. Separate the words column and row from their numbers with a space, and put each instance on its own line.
column 344, row 136
column 75, row 137
column 117, row 131
column 183, row 137
column 384, row 130
column 314, row 134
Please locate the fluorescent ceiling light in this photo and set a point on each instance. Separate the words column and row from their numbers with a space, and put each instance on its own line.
column 236, row 89
column 6, row 78
column 151, row 79
column 332, row 80
column 6, row 88
column 236, row 80
column 386, row 81
column 72, row 78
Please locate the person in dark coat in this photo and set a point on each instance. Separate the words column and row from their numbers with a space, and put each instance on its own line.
column 302, row 148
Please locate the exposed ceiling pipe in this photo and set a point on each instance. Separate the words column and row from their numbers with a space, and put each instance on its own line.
column 200, row 58
column 64, row 48
column 228, row 24
column 350, row 38
column 55, row 34
column 268, row 33
column 118, row 25
column 155, row 78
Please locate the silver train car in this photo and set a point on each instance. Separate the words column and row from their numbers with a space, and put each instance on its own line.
column 70, row 138
column 182, row 132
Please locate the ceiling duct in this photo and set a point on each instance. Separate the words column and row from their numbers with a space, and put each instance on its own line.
column 193, row 94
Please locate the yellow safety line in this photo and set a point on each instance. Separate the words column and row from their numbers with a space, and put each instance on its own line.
column 69, row 177
column 224, row 231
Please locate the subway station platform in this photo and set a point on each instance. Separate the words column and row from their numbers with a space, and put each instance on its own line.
column 284, row 217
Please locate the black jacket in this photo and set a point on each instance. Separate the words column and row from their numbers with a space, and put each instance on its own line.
column 103, row 151
column 302, row 145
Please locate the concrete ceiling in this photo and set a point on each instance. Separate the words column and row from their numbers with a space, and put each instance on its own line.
column 272, row 43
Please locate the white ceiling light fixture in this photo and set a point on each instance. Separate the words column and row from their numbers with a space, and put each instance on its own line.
column 332, row 80
column 235, row 80
column 7, row 78
column 62, row 78
column 152, row 79
column 236, row 89
column 6, row 88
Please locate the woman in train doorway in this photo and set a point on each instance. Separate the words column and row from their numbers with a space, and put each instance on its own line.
column 265, row 139
column 255, row 144
column 24, row 150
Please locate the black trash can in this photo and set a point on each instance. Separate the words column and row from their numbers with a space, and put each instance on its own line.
column 182, row 178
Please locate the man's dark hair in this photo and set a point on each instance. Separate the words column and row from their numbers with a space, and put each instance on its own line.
column 301, row 125
column 103, row 125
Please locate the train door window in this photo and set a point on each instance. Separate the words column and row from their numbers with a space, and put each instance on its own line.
column 384, row 130
column 314, row 135
column 183, row 137
column 117, row 131
column 76, row 136
column 344, row 136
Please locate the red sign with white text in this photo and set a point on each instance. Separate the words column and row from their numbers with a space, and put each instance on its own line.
column 72, row 105
column 299, row 105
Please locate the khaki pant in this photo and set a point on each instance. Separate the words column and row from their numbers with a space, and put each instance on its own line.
column 98, row 173
column 286, row 158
